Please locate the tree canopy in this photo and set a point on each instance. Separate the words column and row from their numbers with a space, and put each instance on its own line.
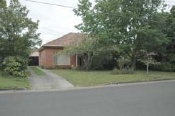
column 131, row 26
column 18, row 33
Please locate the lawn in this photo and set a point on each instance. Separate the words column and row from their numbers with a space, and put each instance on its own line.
column 92, row 78
column 36, row 70
column 10, row 82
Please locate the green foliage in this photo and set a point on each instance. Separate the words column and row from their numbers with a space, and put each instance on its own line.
column 130, row 26
column 124, row 66
column 86, row 48
column 87, row 44
column 169, row 56
column 148, row 60
column 17, row 31
column 166, row 67
column 123, row 63
column 103, row 61
column 15, row 66
column 2, row 3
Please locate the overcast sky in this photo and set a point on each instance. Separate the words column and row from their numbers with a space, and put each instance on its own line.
column 56, row 21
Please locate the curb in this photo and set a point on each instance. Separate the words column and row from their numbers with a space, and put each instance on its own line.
column 85, row 88
column 13, row 89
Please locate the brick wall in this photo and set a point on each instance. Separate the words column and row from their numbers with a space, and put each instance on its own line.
column 46, row 58
column 73, row 60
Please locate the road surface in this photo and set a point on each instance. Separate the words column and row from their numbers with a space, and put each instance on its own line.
column 153, row 99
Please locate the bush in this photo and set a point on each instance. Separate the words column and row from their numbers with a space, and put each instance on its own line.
column 167, row 67
column 103, row 61
column 15, row 65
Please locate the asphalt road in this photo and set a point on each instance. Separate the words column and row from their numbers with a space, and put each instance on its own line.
column 156, row 99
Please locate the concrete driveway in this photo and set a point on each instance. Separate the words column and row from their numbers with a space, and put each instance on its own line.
column 48, row 81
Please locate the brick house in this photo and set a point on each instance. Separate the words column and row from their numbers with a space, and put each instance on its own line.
column 48, row 53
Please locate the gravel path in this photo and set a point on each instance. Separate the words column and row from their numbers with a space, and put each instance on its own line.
column 48, row 81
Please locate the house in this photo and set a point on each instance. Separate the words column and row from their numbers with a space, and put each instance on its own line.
column 48, row 53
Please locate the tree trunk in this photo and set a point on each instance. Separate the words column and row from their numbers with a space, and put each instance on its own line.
column 87, row 60
column 133, row 63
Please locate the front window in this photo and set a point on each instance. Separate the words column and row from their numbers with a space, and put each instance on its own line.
column 62, row 60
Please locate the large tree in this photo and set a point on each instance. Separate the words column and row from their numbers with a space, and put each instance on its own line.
column 128, row 25
column 17, row 31
column 2, row 3
column 170, row 31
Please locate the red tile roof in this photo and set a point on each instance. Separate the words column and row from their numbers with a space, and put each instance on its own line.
column 65, row 40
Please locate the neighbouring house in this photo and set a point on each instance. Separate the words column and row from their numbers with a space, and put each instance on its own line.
column 34, row 58
column 49, row 57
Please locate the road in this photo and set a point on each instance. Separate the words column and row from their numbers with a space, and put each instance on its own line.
column 153, row 99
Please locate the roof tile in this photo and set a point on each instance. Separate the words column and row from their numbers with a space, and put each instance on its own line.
column 65, row 40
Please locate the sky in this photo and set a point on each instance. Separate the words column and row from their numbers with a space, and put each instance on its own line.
column 56, row 21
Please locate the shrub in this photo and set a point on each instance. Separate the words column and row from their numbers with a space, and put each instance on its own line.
column 103, row 61
column 15, row 65
column 167, row 67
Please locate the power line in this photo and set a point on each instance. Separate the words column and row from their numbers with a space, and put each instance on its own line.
column 50, row 31
column 46, row 3
column 70, row 7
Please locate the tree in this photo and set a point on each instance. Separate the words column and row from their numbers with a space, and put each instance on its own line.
column 2, row 3
column 125, row 24
column 17, row 31
column 148, row 60
column 170, row 32
column 86, row 47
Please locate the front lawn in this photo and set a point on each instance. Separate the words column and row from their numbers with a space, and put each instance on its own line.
column 92, row 78
column 10, row 82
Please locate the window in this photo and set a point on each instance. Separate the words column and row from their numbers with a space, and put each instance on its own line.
column 63, row 60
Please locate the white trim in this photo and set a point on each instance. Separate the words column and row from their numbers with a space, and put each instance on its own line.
column 69, row 60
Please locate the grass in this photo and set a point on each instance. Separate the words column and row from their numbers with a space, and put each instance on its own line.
column 92, row 78
column 10, row 82
column 36, row 70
